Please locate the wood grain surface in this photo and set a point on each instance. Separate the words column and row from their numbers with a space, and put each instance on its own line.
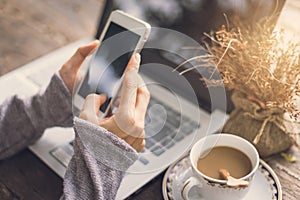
column 32, row 28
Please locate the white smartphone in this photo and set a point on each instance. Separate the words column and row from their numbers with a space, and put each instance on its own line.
column 122, row 36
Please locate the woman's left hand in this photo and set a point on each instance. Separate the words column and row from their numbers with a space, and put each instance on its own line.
column 68, row 71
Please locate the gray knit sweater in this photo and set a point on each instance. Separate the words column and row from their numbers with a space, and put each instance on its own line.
column 100, row 158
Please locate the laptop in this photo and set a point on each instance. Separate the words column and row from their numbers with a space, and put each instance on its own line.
column 182, row 103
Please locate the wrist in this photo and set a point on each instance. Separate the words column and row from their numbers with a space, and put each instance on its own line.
column 111, row 125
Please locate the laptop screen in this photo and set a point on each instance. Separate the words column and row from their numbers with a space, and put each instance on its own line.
column 192, row 18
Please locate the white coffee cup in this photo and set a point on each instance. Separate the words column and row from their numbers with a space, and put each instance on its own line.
column 215, row 189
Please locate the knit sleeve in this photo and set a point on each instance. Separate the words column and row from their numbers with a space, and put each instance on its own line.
column 23, row 121
column 98, row 164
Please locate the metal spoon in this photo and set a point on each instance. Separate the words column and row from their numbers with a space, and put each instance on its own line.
column 231, row 181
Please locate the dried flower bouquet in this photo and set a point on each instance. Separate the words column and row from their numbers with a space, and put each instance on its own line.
column 263, row 71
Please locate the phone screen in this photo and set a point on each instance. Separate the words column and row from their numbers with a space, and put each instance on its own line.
column 109, row 63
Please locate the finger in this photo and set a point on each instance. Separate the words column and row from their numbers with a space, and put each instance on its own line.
column 117, row 101
column 129, row 86
column 139, row 144
column 142, row 100
column 134, row 62
column 92, row 104
column 131, row 139
column 81, row 53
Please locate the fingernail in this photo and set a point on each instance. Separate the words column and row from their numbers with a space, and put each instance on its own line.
column 94, row 49
column 137, row 58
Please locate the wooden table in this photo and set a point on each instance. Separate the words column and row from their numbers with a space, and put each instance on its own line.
column 31, row 28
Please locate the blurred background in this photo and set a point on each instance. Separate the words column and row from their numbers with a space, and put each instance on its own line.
column 32, row 28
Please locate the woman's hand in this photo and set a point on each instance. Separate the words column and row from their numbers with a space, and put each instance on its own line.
column 128, row 122
column 69, row 70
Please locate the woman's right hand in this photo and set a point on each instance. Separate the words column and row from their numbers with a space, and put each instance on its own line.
column 128, row 122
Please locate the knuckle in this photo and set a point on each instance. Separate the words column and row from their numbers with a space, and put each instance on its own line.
column 133, row 65
column 131, row 121
column 143, row 90
column 79, row 51
column 128, row 82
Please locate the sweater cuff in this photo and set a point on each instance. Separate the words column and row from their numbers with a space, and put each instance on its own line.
column 105, row 146
column 58, row 100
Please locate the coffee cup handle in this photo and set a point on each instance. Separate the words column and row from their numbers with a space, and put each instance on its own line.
column 188, row 185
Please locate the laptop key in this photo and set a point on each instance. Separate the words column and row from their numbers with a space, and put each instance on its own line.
column 157, row 150
column 153, row 128
column 178, row 137
column 195, row 125
column 185, row 119
column 165, row 132
column 149, row 143
column 174, row 114
column 143, row 160
column 68, row 149
column 62, row 154
column 174, row 119
column 186, row 129
column 167, row 143
column 143, row 150
column 157, row 110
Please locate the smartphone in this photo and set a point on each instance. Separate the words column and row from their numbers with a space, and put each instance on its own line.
column 123, row 35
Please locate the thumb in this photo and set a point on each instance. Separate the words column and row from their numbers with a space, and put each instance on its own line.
column 91, row 107
column 82, row 52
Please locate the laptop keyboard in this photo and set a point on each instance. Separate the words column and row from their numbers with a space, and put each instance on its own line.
column 163, row 127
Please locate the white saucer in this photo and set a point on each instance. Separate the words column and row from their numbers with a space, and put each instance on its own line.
column 266, row 185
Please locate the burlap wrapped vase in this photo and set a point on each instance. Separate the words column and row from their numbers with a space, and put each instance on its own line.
column 270, row 130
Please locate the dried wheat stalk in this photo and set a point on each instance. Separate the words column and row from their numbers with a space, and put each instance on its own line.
column 254, row 61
